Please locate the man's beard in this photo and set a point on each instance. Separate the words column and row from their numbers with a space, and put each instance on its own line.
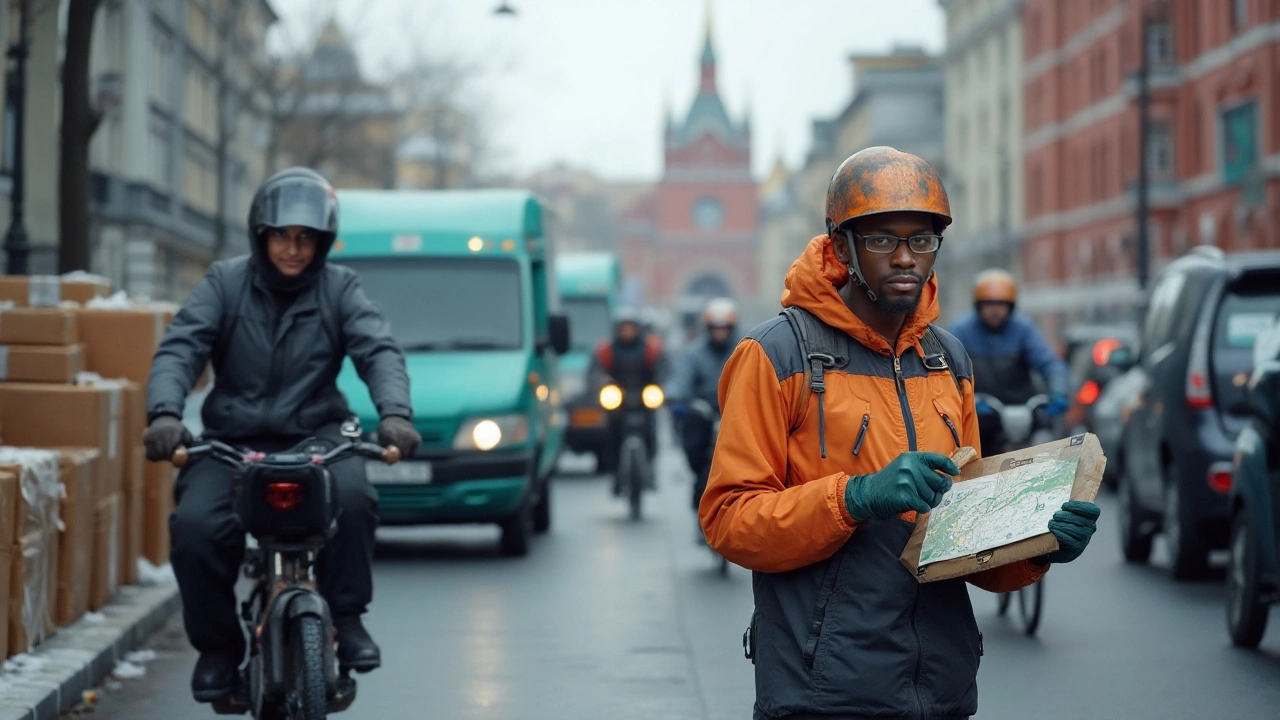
column 899, row 306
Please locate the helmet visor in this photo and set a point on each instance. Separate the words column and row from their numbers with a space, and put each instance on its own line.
column 304, row 204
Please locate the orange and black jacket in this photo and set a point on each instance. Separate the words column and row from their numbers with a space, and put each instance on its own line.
column 841, row 627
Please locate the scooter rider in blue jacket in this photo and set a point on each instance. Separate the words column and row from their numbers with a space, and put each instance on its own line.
column 1006, row 349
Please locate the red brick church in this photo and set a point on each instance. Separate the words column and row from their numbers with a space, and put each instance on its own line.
column 695, row 237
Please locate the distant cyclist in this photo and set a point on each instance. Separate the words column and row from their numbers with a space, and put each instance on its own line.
column 1006, row 348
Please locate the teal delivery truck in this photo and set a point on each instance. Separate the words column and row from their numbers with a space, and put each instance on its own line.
column 465, row 279
column 589, row 287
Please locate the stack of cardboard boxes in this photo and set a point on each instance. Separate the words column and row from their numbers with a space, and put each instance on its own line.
column 71, row 382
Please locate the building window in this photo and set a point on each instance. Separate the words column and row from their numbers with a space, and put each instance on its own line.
column 159, row 151
column 161, row 47
column 1160, row 150
column 1239, row 14
column 1239, row 143
column 1160, row 42
column 708, row 213
column 199, row 178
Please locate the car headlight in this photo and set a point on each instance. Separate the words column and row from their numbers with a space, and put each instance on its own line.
column 653, row 397
column 610, row 397
column 489, row 433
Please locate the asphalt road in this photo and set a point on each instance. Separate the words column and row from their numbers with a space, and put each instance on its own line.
column 612, row 619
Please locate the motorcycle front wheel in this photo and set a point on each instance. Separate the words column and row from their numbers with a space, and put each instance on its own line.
column 307, row 697
column 632, row 466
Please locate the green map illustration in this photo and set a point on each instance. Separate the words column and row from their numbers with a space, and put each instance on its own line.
column 996, row 510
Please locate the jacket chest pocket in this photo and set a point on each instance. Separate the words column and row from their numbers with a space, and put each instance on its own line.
column 947, row 415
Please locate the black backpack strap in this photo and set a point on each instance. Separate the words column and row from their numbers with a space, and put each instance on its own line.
column 937, row 358
column 822, row 347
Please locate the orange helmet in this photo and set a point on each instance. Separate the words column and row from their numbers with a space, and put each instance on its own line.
column 880, row 180
column 995, row 285
column 720, row 312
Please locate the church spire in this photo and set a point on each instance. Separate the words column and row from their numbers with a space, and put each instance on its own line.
column 708, row 85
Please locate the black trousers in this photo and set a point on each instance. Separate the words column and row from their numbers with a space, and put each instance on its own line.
column 991, row 434
column 695, row 436
column 208, row 545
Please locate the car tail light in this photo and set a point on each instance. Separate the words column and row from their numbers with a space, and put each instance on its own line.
column 284, row 496
column 1089, row 393
column 1199, row 394
column 1220, row 476
column 1102, row 350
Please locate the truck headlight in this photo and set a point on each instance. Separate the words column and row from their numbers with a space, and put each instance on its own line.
column 489, row 433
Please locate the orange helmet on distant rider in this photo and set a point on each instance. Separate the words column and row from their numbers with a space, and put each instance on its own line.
column 995, row 285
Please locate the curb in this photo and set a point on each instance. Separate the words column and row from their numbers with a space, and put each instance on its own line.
column 78, row 657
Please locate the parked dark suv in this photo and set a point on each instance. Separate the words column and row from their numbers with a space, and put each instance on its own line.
column 1203, row 315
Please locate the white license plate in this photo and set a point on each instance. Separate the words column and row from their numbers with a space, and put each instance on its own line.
column 409, row 472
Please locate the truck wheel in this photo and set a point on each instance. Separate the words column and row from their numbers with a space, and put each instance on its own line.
column 542, row 511
column 516, row 531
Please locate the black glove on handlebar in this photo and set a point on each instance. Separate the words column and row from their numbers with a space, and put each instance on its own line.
column 398, row 431
column 166, row 434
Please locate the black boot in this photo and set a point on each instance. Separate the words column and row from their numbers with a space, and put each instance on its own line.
column 356, row 649
column 215, row 676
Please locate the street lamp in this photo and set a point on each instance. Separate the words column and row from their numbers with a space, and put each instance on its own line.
column 15, row 240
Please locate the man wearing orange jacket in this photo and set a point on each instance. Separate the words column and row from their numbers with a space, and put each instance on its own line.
column 838, row 418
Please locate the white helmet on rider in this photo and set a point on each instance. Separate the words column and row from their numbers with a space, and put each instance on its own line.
column 720, row 313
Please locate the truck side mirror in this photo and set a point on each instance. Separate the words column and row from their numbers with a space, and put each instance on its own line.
column 558, row 329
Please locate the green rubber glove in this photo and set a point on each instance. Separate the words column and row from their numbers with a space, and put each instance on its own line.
column 908, row 483
column 1073, row 525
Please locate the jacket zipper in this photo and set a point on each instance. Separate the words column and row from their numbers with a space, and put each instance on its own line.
column 906, row 407
column 862, row 433
column 955, row 434
column 915, row 678
column 910, row 423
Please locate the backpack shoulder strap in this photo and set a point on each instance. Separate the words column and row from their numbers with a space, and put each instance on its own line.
column 822, row 348
column 936, row 356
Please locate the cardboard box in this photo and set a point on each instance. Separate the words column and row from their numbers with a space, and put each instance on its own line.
column 131, row 517
column 5, row 598
column 8, row 509
column 51, row 290
column 37, row 326
column 40, row 363
column 37, row 415
column 76, row 545
column 133, row 423
column 106, row 553
column 158, row 505
column 32, row 562
column 121, row 342
column 1080, row 455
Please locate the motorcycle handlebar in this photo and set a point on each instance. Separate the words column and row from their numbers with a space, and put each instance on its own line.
column 227, row 454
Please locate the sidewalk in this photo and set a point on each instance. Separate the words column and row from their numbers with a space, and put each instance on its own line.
column 52, row 680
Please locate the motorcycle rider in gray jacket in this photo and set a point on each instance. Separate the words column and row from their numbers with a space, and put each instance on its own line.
column 276, row 326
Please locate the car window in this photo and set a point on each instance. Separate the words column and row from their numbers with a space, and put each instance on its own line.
column 1245, row 316
column 1158, row 326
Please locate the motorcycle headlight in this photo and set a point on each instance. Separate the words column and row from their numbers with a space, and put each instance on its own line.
column 653, row 397
column 610, row 397
column 489, row 433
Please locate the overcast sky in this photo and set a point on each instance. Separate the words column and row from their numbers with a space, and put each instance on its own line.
column 584, row 81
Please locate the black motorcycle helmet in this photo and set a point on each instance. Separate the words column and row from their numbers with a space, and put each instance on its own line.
column 295, row 196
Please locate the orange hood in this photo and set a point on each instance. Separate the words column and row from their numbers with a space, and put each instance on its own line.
column 813, row 283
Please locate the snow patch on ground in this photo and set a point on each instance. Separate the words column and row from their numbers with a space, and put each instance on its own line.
column 128, row 671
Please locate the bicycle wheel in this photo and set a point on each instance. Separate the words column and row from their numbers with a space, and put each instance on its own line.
column 631, row 468
column 1031, row 606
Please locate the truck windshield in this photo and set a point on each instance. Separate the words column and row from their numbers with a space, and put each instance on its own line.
column 446, row 304
column 589, row 322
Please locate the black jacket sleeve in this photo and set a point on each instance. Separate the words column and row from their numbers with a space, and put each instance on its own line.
column 377, row 356
column 184, row 351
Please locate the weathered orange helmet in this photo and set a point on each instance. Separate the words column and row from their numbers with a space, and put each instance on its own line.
column 995, row 285
column 880, row 180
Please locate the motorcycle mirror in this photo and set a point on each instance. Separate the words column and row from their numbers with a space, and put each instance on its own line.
column 351, row 429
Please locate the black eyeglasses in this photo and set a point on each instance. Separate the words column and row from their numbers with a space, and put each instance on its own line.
column 885, row 244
